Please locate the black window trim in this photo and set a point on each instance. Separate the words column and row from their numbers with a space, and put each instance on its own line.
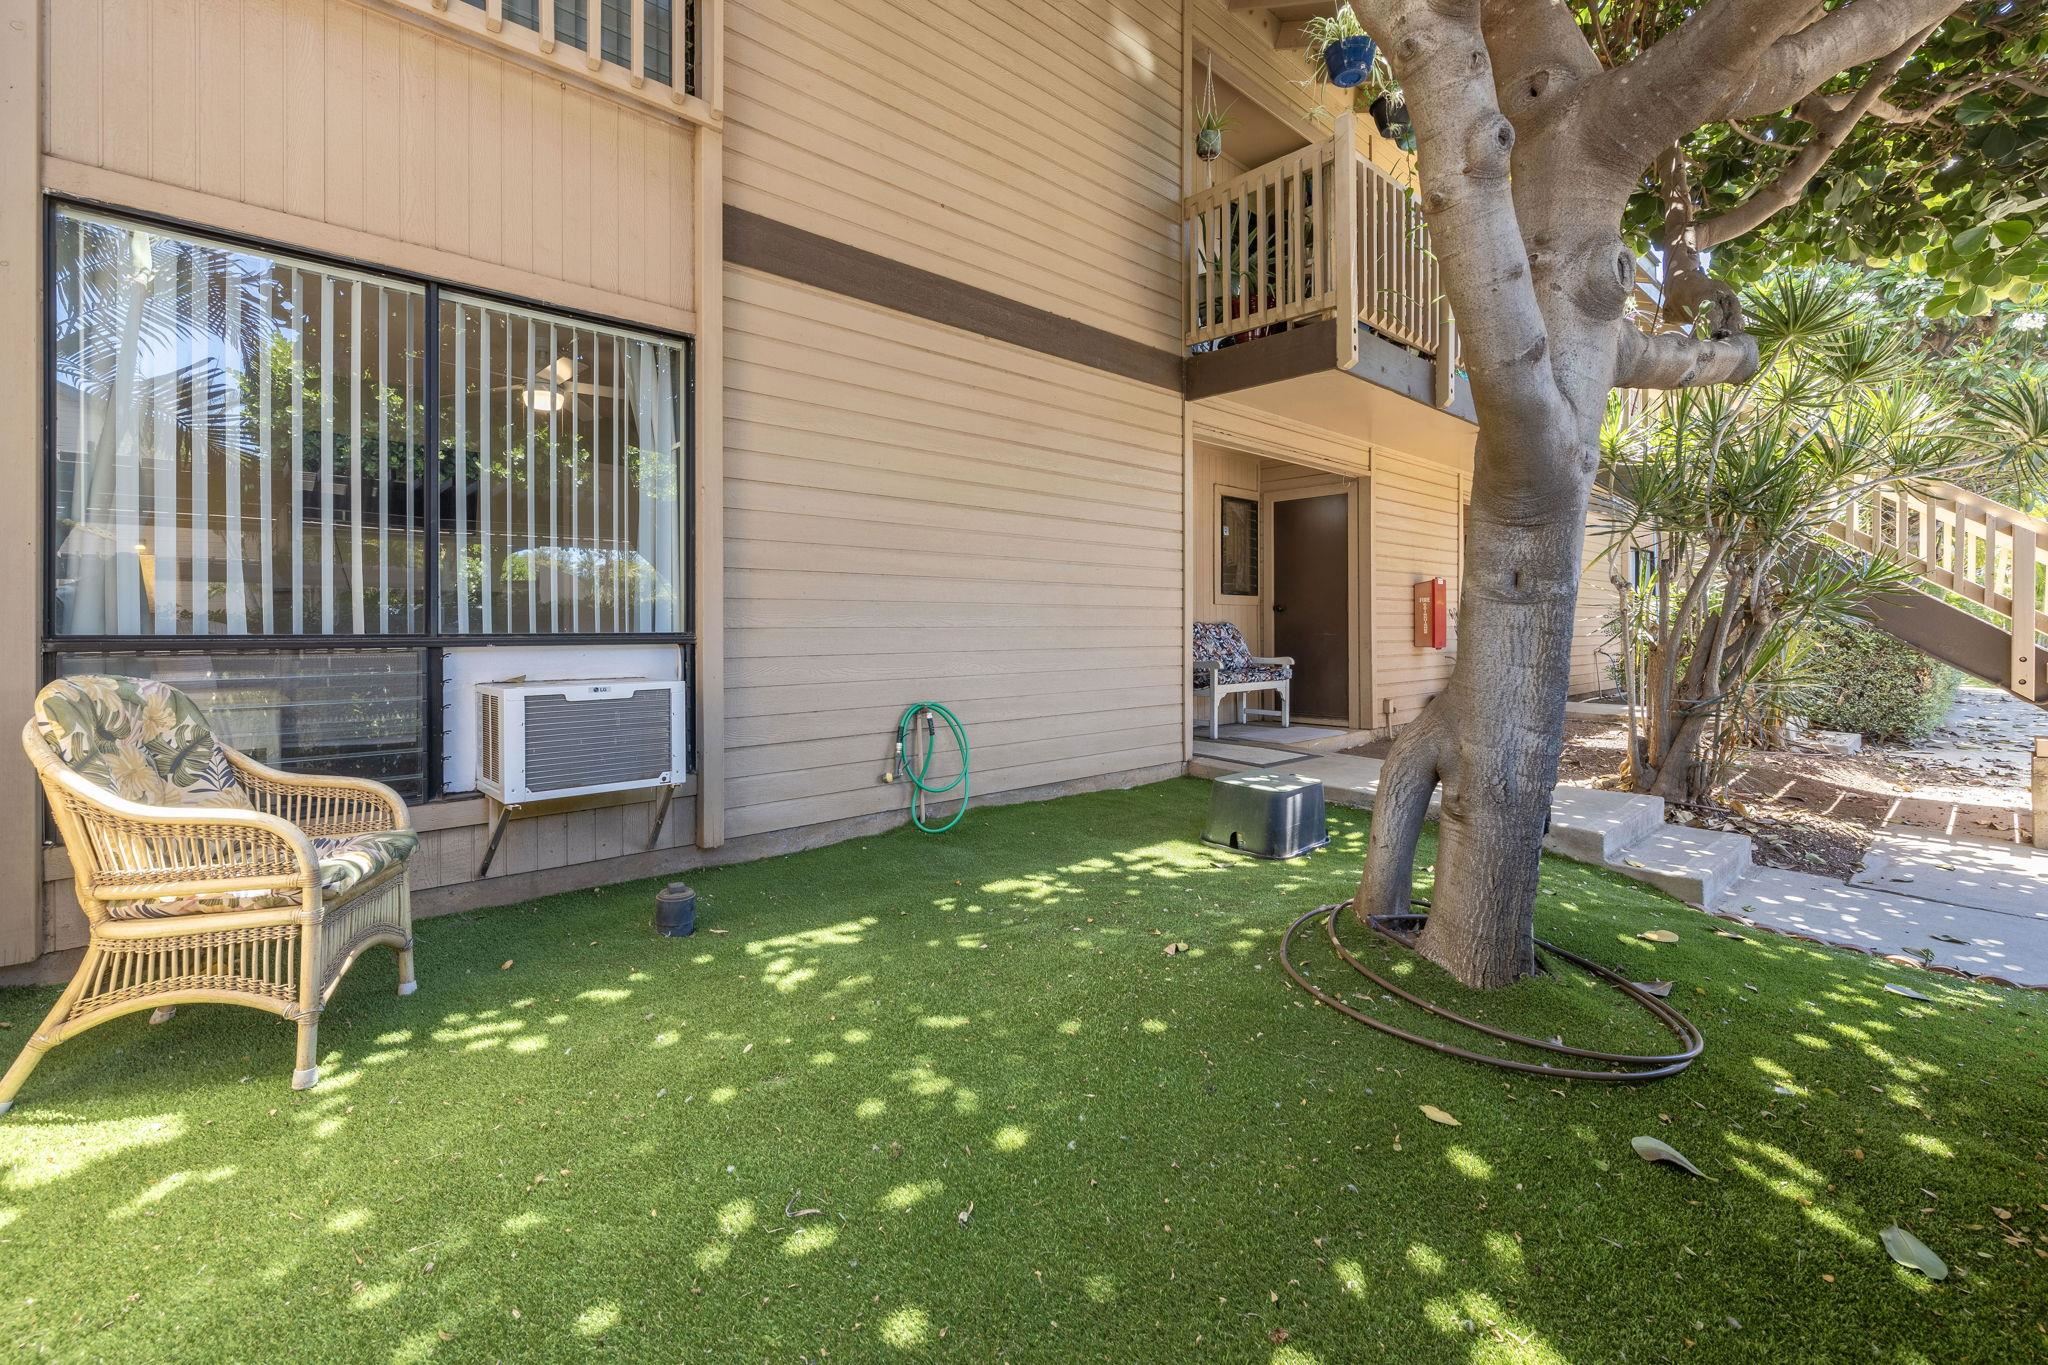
column 431, row 642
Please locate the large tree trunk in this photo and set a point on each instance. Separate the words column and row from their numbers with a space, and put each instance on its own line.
column 1492, row 737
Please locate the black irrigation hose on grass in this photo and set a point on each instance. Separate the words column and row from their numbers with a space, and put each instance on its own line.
column 1651, row 1068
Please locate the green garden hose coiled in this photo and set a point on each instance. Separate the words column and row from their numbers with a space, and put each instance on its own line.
column 922, row 790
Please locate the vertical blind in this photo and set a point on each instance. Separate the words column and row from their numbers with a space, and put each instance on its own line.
column 565, row 443
column 243, row 447
column 239, row 438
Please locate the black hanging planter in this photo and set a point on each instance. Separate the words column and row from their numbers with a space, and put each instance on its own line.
column 1209, row 143
column 1349, row 61
column 1390, row 116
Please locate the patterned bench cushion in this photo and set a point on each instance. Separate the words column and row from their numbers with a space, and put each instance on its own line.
column 1224, row 642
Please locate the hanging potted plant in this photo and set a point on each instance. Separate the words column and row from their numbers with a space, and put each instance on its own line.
column 1339, row 48
column 1389, row 111
column 1210, row 125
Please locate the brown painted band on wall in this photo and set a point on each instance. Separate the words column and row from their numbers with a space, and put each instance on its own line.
column 776, row 248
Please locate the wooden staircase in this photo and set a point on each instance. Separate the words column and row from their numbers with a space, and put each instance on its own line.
column 1978, row 560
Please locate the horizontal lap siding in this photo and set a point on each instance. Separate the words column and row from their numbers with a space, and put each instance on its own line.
column 912, row 513
column 1417, row 532
column 1026, row 147
column 399, row 141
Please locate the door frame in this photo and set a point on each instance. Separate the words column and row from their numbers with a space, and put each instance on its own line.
column 1355, row 493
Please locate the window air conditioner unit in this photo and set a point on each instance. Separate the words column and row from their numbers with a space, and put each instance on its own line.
column 538, row 741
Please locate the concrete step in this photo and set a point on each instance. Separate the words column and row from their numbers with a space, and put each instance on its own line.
column 1595, row 826
column 1698, row 866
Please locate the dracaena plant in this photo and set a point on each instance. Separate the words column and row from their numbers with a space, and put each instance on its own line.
column 1737, row 488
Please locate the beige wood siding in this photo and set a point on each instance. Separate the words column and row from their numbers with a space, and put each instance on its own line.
column 1218, row 471
column 453, row 836
column 913, row 513
column 347, row 130
column 1594, row 642
column 1241, row 45
column 1417, row 532
column 1026, row 147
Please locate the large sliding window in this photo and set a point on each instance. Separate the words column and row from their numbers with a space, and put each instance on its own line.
column 563, row 441
column 284, row 483
column 240, row 441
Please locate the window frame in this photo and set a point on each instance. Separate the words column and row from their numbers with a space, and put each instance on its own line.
column 432, row 641
column 1226, row 493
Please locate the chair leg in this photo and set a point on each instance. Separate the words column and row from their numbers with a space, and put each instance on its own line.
column 1286, row 707
column 10, row 1084
column 308, row 1074
column 1215, row 701
column 407, row 983
column 50, row 1034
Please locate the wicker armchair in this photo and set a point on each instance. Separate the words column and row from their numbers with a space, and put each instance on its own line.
column 204, row 875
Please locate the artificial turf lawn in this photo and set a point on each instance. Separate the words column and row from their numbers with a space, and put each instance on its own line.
column 1027, row 1132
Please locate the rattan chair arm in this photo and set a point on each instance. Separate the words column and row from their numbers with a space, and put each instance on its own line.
column 328, row 806
column 127, row 850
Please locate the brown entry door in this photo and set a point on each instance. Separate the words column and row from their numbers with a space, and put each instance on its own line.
column 1312, row 601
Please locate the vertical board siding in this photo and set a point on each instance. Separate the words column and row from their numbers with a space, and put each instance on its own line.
column 1026, row 147
column 915, row 513
column 1417, row 530
column 355, row 119
column 449, row 855
column 1594, row 641
column 1218, row 470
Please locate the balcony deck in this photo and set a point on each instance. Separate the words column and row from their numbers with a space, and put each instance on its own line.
column 1317, row 263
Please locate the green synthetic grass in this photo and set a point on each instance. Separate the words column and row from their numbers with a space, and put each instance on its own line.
column 949, row 1098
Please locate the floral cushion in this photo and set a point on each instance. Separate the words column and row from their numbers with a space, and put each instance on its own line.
column 345, row 861
column 1224, row 643
column 349, row 860
column 144, row 741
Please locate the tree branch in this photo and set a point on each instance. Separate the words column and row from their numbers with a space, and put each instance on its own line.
column 1549, row 52
column 1673, row 360
column 1828, row 136
column 1840, row 40
column 1744, row 59
column 1672, row 87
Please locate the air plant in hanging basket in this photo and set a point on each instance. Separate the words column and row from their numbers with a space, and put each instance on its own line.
column 1339, row 48
column 1210, row 125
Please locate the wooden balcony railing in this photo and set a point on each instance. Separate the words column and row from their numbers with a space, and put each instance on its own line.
column 1980, row 550
column 1321, row 232
column 655, row 52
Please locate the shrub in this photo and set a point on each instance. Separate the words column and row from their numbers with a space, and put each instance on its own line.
column 1861, row 679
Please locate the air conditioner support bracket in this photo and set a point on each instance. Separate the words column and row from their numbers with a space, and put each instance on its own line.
column 497, row 833
column 668, row 795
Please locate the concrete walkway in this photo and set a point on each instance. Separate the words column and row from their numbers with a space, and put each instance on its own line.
column 1980, row 941
column 1977, row 907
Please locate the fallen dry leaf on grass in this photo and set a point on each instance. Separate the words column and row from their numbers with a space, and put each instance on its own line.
column 1650, row 1149
column 1176, row 949
column 506, row 965
column 1658, row 936
column 1910, row 1251
column 1436, row 1115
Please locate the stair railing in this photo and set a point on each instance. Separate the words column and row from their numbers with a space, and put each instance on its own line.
column 1980, row 550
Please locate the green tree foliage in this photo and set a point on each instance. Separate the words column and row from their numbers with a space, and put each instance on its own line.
column 1945, row 174
column 1734, row 488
